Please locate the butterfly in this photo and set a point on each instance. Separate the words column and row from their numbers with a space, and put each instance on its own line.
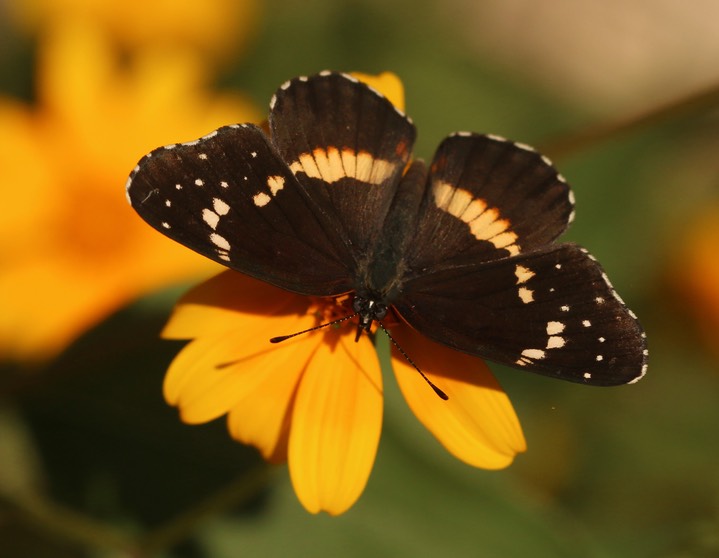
column 331, row 202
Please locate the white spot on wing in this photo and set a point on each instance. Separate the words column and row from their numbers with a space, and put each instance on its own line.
column 587, row 323
column 199, row 182
column 555, row 342
column 220, row 207
column 261, row 199
column 535, row 354
column 555, row 327
column 211, row 218
column 641, row 375
column 524, row 146
column 219, row 241
column 523, row 274
column 275, row 184
column 127, row 189
column 527, row 295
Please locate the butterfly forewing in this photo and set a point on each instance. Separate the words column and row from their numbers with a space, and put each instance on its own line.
column 550, row 311
column 231, row 198
column 488, row 198
column 348, row 145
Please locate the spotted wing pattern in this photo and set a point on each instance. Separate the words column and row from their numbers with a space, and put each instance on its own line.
column 551, row 311
column 230, row 197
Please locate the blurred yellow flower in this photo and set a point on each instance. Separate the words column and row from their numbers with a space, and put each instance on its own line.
column 214, row 28
column 315, row 400
column 71, row 250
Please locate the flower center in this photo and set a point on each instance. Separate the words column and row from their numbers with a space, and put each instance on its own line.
column 330, row 309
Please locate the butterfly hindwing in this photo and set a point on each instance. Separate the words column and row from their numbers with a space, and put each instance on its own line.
column 348, row 145
column 230, row 197
column 488, row 198
column 550, row 311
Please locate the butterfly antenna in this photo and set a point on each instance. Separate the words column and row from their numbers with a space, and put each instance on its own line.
column 333, row 322
column 438, row 391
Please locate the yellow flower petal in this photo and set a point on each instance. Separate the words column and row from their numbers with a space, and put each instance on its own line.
column 232, row 318
column 201, row 380
column 386, row 83
column 477, row 424
column 336, row 425
column 231, row 301
column 262, row 416
column 215, row 27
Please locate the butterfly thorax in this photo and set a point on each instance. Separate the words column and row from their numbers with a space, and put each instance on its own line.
column 368, row 311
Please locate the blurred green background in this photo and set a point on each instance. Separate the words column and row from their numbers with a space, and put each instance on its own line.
column 94, row 464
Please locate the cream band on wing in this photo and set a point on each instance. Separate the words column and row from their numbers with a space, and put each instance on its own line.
column 332, row 164
column 484, row 222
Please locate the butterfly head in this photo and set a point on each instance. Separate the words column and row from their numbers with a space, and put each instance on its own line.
column 368, row 309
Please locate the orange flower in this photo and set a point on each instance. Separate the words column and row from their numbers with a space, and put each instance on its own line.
column 71, row 251
column 316, row 400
